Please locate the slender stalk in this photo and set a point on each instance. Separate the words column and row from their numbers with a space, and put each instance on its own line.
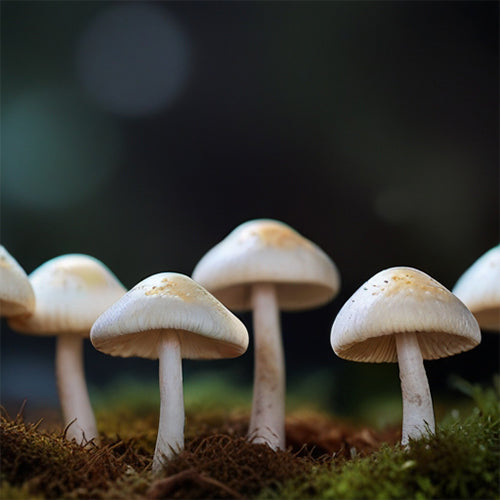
column 418, row 413
column 73, row 394
column 267, row 421
column 170, row 440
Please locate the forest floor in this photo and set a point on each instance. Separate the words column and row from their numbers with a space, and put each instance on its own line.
column 325, row 457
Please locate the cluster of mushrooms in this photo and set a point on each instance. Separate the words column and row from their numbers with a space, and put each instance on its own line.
column 399, row 315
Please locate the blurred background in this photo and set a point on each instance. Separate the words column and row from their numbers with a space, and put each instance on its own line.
column 143, row 133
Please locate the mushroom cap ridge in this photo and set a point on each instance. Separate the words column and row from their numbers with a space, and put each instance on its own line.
column 71, row 291
column 479, row 289
column 398, row 300
column 16, row 292
column 268, row 251
column 165, row 302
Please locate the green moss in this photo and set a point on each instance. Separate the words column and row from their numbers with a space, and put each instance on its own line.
column 460, row 461
column 124, row 424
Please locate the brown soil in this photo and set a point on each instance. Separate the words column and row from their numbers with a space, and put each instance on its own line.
column 319, row 435
column 226, row 465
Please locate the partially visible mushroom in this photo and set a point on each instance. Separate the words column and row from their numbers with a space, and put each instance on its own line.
column 16, row 293
column 403, row 315
column 264, row 266
column 169, row 317
column 479, row 289
column 71, row 291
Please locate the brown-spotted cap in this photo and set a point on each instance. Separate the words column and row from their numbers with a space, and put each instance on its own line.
column 71, row 292
column 398, row 300
column 16, row 293
column 163, row 303
column 479, row 289
column 268, row 251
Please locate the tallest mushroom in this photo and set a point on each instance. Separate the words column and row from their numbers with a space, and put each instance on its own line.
column 266, row 266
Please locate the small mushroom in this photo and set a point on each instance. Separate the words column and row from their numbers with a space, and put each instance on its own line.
column 479, row 289
column 264, row 266
column 71, row 291
column 16, row 293
column 169, row 317
column 403, row 315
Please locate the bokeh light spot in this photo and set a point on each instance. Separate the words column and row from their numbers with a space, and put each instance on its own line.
column 133, row 59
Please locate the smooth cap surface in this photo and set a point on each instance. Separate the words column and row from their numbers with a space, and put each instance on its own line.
column 71, row 291
column 397, row 300
column 167, row 302
column 16, row 293
column 268, row 251
column 479, row 289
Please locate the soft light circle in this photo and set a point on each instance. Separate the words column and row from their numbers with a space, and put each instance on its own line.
column 133, row 59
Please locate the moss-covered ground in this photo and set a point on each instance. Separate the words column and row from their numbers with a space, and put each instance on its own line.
column 325, row 458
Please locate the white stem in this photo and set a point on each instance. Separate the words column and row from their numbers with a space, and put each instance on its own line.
column 73, row 394
column 170, row 440
column 418, row 413
column 267, row 422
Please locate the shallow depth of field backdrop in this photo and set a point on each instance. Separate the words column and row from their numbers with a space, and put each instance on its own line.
column 143, row 133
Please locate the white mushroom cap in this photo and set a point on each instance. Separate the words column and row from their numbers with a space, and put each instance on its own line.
column 16, row 292
column 398, row 300
column 268, row 251
column 479, row 289
column 167, row 302
column 71, row 292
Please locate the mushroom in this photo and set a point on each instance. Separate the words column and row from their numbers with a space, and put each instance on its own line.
column 403, row 315
column 71, row 291
column 479, row 289
column 169, row 317
column 264, row 265
column 16, row 293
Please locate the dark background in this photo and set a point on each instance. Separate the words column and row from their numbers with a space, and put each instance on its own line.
column 143, row 133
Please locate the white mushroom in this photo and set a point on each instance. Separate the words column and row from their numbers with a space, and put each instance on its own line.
column 71, row 292
column 16, row 293
column 264, row 265
column 403, row 315
column 479, row 289
column 169, row 317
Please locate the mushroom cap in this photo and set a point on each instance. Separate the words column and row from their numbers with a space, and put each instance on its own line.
column 268, row 251
column 402, row 300
column 479, row 289
column 71, row 292
column 163, row 303
column 16, row 293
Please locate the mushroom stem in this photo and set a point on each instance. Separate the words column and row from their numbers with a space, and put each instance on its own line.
column 418, row 413
column 267, row 421
column 73, row 394
column 170, row 440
